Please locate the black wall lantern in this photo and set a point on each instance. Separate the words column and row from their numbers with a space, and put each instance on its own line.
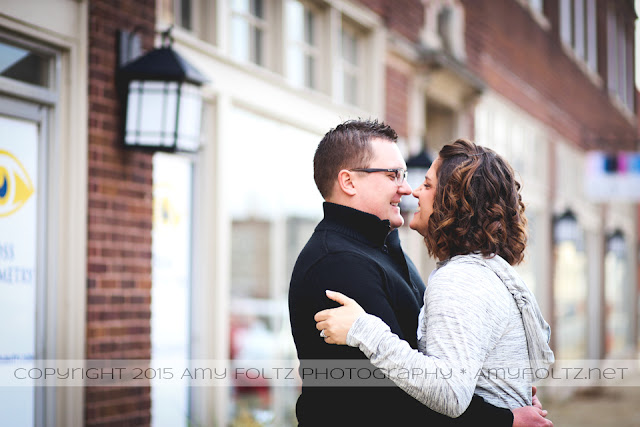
column 417, row 166
column 565, row 228
column 616, row 244
column 161, row 96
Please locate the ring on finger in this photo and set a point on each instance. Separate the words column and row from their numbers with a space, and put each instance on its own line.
column 322, row 334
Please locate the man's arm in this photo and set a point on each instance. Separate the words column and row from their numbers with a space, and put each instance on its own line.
column 480, row 412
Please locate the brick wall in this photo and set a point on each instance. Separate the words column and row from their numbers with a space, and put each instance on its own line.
column 397, row 105
column 119, row 223
column 527, row 64
column 404, row 17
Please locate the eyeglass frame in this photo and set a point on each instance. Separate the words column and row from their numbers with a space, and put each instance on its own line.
column 403, row 176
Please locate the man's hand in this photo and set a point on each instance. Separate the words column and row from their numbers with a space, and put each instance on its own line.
column 530, row 416
column 335, row 323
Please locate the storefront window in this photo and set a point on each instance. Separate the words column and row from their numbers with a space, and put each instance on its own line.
column 274, row 209
column 617, row 295
column 570, row 289
column 19, row 228
column 29, row 287
column 514, row 136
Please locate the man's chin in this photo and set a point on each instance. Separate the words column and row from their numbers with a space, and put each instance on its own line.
column 396, row 223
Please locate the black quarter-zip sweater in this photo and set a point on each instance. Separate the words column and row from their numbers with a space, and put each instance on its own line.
column 355, row 253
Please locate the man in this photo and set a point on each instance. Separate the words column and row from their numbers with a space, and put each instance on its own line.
column 355, row 250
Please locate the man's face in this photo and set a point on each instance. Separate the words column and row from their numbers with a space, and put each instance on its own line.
column 377, row 193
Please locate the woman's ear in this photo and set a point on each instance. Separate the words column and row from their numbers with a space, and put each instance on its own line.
column 346, row 183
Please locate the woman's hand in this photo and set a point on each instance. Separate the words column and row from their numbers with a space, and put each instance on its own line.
column 335, row 323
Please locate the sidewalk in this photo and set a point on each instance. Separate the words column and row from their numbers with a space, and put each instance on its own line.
column 600, row 406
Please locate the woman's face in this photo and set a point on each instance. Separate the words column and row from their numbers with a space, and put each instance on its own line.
column 425, row 194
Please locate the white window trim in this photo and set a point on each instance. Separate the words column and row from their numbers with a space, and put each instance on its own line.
column 67, row 223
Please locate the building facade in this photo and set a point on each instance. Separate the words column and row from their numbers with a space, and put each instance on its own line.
column 109, row 253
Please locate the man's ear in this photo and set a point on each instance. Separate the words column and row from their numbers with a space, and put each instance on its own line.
column 345, row 182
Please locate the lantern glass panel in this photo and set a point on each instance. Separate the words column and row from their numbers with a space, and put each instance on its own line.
column 133, row 112
column 169, row 119
column 151, row 109
column 189, row 118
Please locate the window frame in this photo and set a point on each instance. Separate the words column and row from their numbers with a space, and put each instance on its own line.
column 345, row 67
column 578, row 31
column 261, row 56
column 316, row 52
column 620, row 82
column 45, row 291
column 61, row 109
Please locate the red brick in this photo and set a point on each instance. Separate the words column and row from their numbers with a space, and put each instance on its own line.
column 516, row 57
column 397, row 108
column 119, row 220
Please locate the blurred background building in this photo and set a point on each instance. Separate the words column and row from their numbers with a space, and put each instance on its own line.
column 115, row 253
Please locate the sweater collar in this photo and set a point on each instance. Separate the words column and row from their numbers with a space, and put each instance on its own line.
column 361, row 225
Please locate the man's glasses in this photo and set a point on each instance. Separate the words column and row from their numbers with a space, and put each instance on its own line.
column 400, row 174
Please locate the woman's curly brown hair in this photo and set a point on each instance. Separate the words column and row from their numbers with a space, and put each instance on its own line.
column 477, row 206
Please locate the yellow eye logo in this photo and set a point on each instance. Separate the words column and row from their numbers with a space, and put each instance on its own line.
column 15, row 184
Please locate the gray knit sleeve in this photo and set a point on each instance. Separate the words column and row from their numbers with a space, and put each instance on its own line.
column 460, row 320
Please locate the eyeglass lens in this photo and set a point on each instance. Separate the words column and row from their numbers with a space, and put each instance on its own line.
column 401, row 175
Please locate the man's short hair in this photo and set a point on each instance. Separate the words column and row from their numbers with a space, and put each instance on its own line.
column 348, row 146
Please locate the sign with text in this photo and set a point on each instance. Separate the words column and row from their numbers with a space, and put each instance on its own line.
column 612, row 176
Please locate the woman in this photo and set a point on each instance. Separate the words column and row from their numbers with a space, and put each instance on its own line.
column 480, row 329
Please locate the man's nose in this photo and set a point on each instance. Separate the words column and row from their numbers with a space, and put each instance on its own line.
column 405, row 188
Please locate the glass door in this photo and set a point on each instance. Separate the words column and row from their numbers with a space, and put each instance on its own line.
column 21, row 260
column 171, row 284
